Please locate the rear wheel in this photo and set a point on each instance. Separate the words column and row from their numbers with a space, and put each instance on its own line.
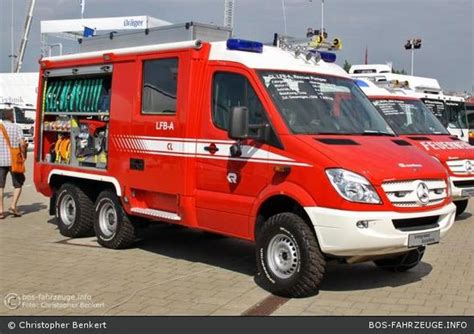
column 289, row 261
column 401, row 263
column 74, row 211
column 112, row 226
column 461, row 206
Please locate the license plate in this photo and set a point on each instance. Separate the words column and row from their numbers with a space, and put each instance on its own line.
column 468, row 192
column 422, row 239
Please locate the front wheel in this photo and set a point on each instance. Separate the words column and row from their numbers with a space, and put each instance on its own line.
column 112, row 226
column 401, row 263
column 461, row 206
column 289, row 261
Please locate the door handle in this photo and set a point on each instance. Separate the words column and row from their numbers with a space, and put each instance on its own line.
column 212, row 148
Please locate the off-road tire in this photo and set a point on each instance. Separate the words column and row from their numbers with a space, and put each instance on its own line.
column 402, row 263
column 461, row 206
column 125, row 233
column 309, row 270
column 82, row 223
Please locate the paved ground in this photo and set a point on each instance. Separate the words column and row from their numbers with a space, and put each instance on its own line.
column 177, row 271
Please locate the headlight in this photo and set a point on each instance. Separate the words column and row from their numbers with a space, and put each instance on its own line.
column 353, row 187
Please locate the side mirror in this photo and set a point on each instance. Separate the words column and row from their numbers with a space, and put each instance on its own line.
column 239, row 123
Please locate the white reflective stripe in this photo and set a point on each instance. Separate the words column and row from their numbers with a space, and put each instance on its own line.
column 186, row 147
column 88, row 176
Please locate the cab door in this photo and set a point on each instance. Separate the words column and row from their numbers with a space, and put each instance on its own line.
column 227, row 185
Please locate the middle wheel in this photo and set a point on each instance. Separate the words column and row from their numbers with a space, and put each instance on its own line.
column 112, row 226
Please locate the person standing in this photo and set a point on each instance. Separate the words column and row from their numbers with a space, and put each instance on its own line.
column 15, row 136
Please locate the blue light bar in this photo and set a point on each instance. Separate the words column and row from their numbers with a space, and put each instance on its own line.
column 244, row 45
column 328, row 57
column 361, row 83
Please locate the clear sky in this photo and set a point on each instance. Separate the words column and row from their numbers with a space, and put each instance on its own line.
column 446, row 27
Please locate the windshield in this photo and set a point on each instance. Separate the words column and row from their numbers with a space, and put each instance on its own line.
column 409, row 117
column 21, row 118
column 470, row 116
column 438, row 108
column 316, row 104
column 456, row 113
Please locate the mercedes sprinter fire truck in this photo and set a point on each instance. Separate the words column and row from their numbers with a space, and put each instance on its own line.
column 267, row 144
column 414, row 122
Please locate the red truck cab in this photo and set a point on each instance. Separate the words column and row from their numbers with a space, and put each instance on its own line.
column 415, row 123
column 236, row 138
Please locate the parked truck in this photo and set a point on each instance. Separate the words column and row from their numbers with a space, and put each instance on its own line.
column 267, row 144
column 449, row 109
column 414, row 122
column 24, row 117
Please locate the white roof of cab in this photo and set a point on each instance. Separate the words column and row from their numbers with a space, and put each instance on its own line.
column 371, row 89
column 378, row 68
column 273, row 58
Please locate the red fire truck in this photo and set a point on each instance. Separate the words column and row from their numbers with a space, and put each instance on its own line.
column 415, row 123
column 267, row 144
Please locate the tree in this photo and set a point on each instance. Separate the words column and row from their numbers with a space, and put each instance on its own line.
column 346, row 66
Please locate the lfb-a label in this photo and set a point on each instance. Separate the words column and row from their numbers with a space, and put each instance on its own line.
column 166, row 126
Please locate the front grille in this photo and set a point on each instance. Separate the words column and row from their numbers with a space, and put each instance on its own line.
column 464, row 167
column 404, row 194
column 416, row 224
column 464, row 184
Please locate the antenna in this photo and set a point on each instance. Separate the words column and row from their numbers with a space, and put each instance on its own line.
column 322, row 16
column 229, row 14
column 83, row 5
column 284, row 16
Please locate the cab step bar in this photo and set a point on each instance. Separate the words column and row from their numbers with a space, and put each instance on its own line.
column 156, row 213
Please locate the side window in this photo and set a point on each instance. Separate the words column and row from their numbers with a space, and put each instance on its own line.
column 234, row 90
column 160, row 82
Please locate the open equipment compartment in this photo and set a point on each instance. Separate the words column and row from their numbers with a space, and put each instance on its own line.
column 75, row 116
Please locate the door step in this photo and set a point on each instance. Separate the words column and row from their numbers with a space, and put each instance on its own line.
column 157, row 213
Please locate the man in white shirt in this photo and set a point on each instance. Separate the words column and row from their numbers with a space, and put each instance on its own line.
column 15, row 135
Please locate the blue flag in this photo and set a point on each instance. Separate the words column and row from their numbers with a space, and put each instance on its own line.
column 89, row 32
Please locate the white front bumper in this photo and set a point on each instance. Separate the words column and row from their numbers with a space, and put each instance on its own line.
column 338, row 234
column 464, row 192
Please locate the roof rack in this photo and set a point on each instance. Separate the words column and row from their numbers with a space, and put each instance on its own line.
column 172, row 33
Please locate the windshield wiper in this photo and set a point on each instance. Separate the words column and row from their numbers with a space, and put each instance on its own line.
column 377, row 133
